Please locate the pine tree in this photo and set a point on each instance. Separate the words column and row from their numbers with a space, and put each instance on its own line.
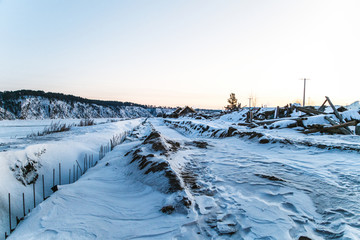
column 233, row 103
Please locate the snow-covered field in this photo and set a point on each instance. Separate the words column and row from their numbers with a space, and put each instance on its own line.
column 191, row 179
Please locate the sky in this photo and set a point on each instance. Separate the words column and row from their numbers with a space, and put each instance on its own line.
column 188, row 52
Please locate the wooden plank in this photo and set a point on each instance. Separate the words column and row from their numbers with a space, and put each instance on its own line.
column 357, row 129
column 263, row 122
column 305, row 110
column 309, row 111
column 322, row 107
column 326, row 129
column 342, row 129
column 337, row 114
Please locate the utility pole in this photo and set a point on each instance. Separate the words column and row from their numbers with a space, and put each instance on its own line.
column 304, row 79
column 250, row 112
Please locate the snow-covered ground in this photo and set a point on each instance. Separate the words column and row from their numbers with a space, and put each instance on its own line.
column 24, row 159
column 233, row 186
column 15, row 132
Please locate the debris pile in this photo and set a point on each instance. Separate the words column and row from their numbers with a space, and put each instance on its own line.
column 307, row 119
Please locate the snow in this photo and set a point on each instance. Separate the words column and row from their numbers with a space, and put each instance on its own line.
column 47, row 152
column 235, row 116
column 104, row 204
column 238, row 188
column 354, row 106
column 31, row 107
column 283, row 124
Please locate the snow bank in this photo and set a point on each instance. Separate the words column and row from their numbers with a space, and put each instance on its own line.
column 354, row 106
column 235, row 116
column 24, row 163
column 106, row 203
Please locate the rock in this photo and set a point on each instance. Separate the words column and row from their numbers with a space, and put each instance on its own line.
column 304, row 238
column 271, row 178
column 264, row 140
column 168, row 209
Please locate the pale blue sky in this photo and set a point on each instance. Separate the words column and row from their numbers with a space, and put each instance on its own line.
column 183, row 52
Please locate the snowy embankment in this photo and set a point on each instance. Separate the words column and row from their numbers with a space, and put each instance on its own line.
column 31, row 107
column 275, row 133
column 134, row 192
column 24, row 160
column 282, row 193
column 198, row 182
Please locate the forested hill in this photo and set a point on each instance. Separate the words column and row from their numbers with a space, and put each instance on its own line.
column 29, row 104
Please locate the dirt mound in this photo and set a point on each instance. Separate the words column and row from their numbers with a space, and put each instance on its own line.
column 161, row 144
column 157, row 162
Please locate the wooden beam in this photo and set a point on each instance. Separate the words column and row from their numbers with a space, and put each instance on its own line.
column 326, row 129
column 342, row 129
column 309, row 111
column 337, row 114
column 322, row 107
column 305, row 110
column 263, row 122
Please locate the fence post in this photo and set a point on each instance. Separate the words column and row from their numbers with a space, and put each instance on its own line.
column 81, row 171
column 59, row 173
column 69, row 175
column 9, row 213
column 34, row 194
column 43, row 182
column 23, row 195
column 53, row 176
column 73, row 173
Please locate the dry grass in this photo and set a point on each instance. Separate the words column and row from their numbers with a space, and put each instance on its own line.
column 86, row 122
column 53, row 128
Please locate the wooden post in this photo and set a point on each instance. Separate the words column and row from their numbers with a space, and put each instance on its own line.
column 277, row 112
column 34, row 194
column 59, row 173
column 10, row 214
column 322, row 107
column 53, row 176
column 335, row 110
column 43, row 183
column 81, row 171
column 357, row 129
column 23, row 195
column 69, row 175
column 337, row 114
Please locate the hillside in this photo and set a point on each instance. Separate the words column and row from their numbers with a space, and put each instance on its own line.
column 28, row 104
